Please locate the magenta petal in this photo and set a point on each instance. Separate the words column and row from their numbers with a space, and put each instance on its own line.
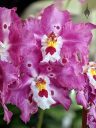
column 7, row 114
column 77, row 39
column 92, row 111
column 50, row 21
column 9, row 75
column 68, row 78
column 7, row 17
column 81, row 99
column 27, row 109
column 91, row 116
column 62, row 97
column 92, row 124
column 78, row 34
column 20, row 98
column 24, row 42
column 90, row 26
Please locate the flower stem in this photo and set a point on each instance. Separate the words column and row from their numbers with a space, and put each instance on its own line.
column 84, row 118
column 40, row 119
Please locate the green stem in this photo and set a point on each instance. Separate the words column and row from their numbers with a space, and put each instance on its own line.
column 40, row 119
column 84, row 118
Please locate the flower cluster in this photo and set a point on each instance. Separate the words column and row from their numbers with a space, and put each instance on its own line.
column 42, row 60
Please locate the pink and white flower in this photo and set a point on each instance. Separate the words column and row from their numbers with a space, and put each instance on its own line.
column 41, row 61
column 7, row 17
column 91, row 73
column 51, row 47
column 42, row 94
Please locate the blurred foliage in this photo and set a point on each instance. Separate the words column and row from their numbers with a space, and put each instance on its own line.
column 53, row 118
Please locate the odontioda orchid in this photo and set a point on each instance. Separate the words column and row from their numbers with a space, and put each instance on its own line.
column 7, row 17
column 91, row 73
column 42, row 93
column 42, row 59
column 51, row 46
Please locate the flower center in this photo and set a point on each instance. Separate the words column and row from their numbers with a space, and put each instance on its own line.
column 93, row 72
column 41, row 85
column 51, row 44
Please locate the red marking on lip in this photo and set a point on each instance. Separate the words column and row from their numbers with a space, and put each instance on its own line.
column 94, row 77
column 30, row 98
column 52, row 36
column 50, row 50
column 43, row 93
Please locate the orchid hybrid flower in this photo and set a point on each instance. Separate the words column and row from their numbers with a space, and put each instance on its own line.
column 91, row 73
column 41, row 61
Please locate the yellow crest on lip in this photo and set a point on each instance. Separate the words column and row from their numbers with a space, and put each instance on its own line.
column 41, row 84
column 52, row 40
column 51, row 43
column 93, row 71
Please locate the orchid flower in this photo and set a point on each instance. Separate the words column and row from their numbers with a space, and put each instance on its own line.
column 63, row 43
column 42, row 60
column 7, row 17
column 88, row 95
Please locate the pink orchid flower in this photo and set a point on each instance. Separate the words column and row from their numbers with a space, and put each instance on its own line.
column 7, row 17
column 42, row 60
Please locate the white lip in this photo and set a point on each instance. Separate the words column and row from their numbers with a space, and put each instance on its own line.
column 91, row 79
column 42, row 102
column 56, row 55
column 4, row 55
